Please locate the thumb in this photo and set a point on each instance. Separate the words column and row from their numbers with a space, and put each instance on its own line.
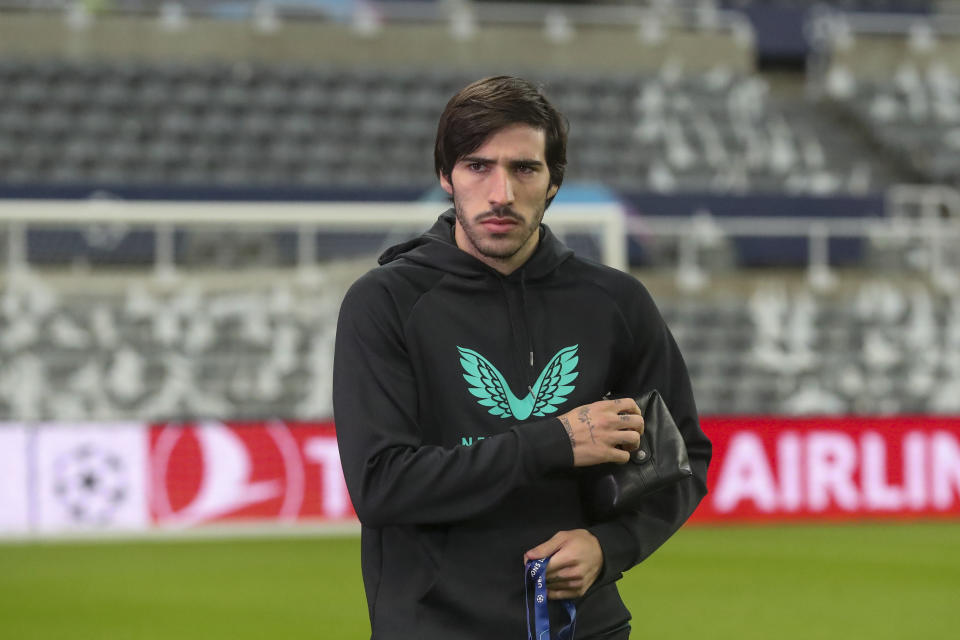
column 545, row 549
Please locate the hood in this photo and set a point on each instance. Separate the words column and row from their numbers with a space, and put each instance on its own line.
column 437, row 249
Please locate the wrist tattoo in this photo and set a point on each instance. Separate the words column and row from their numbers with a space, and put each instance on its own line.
column 566, row 425
column 584, row 415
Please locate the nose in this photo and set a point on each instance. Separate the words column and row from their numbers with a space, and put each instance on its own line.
column 501, row 188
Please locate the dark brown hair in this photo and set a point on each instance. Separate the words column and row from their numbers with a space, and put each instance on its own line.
column 486, row 106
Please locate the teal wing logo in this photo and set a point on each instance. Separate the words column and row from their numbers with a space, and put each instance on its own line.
column 551, row 389
column 553, row 385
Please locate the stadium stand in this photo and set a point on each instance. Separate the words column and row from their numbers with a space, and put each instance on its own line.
column 116, row 124
column 254, row 352
column 914, row 114
column 261, row 348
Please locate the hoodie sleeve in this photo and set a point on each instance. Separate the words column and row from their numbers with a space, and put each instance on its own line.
column 630, row 539
column 392, row 477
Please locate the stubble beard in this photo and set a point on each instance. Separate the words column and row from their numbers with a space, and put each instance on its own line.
column 497, row 250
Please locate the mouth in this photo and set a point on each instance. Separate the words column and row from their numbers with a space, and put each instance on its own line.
column 499, row 225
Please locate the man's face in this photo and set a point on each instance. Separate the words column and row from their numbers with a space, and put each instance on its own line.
column 500, row 192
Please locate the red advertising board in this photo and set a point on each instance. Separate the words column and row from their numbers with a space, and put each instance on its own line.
column 273, row 471
column 763, row 469
column 775, row 468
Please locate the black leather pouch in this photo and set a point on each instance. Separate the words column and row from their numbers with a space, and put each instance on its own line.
column 613, row 489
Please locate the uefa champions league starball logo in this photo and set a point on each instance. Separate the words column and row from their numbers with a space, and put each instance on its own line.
column 91, row 483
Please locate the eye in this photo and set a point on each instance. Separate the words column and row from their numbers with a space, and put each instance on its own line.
column 476, row 167
column 525, row 169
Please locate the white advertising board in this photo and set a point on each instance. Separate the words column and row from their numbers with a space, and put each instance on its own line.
column 91, row 477
column 14, row 474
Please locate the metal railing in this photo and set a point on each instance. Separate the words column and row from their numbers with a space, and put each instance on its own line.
column 831, row 29
column 696, row 232
column 607, row 221
column 917, row 216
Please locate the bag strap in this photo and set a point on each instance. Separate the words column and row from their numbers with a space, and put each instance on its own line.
column 535, row 573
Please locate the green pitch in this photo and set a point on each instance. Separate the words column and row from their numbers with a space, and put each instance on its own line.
column 804, row 582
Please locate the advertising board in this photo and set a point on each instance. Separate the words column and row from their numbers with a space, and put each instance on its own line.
column 775, row 468
column 14, row 475
column 216, row 472
column 58, row 478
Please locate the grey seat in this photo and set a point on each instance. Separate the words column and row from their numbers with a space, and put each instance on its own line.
column 298, row 126
column 152, row 93
column 348, row 101
column 194, row 95
column 67, row 173
column 271, row 97
column 309, row 98
column 95, row 123
column 178, row 123
column 256, row 126
column 233, row 96
column 81, row 151
column 29, row 93
column 70, row 94
column 216, row 126
column 285, row 155
column 53, row 122
column 109, row 173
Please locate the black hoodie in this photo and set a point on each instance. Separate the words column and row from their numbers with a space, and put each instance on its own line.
column 452, row 482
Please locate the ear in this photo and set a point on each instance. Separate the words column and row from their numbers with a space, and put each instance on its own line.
column 552, row 191
column 446, row 184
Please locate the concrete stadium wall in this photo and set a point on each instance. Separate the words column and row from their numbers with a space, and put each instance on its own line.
column 510, row 47
column 879, row 56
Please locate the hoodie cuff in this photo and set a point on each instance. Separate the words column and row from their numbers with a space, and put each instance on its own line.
column 619, row 550
column 548, row 443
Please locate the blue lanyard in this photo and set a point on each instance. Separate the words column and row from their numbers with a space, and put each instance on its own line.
column 535, row 573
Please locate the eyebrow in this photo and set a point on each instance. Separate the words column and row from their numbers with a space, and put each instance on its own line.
column 521, row 161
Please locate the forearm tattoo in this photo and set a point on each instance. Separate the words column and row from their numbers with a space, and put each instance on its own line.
column 584, row 415
column 566, row 425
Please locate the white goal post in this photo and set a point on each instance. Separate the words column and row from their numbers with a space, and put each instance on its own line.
column 604, row 221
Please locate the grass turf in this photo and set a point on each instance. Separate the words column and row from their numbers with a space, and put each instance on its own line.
column 845, row 582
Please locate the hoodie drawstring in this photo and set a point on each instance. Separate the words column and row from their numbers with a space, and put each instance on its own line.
column 520, row 328
column 523, row 308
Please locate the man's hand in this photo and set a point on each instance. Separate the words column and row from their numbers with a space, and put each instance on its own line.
column 605, row 431
column 575, row 562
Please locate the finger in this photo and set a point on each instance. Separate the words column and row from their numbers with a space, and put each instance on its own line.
column 564, row 582
column 571, row 573
column 560, row 568
column 629, row 440
column 619, row 456
column 569, row 585
column 563, row 561
column 630, row 421
column 568, row 574
column 563, row 594
column 545, row 549
column 626, row 405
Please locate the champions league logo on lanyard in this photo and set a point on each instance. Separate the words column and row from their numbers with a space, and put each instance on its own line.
column 536, row 572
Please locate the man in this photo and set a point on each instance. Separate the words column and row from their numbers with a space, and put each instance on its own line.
column 468, row 378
